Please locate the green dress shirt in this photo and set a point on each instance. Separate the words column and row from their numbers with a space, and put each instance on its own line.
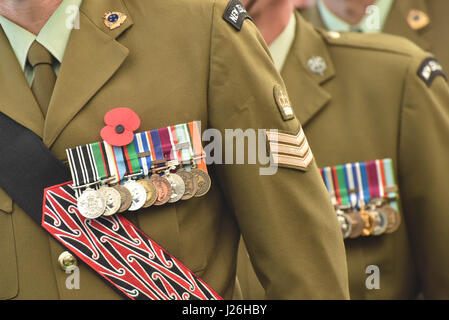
column 281, row 46
column 54, row 36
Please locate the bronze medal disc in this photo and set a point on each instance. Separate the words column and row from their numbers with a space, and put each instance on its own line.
column 357, row 224
column 394, row 218
column 163, row 187
column 150, row 188
column 191, row 186
column 125, row 197
column 203, row 181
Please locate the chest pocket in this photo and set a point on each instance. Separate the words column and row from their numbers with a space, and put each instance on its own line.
column 8, row 263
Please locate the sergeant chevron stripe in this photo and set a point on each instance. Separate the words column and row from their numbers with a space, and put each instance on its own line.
column 289, row 150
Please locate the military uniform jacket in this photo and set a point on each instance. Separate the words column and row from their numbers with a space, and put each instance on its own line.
column 371, row 104
column 431, row 37
column 173, row 62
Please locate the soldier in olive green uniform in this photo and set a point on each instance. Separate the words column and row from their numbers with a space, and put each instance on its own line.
column 171, row 62
column 422, row 21
column 374, row 97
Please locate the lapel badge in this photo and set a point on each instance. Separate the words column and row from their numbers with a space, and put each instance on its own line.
column 114, row 19
column 417, row 19
column 317, row 65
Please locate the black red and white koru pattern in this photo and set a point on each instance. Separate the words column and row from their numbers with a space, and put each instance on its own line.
column 119, row 252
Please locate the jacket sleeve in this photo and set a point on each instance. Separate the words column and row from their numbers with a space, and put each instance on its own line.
column 423, row 176
column 289, row 226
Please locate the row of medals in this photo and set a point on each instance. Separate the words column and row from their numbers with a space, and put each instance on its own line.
column 377, row 218
column 135, row 194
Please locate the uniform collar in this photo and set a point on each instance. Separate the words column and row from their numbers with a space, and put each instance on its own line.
column 333, row 22
column 54, row 36
column 92, row 57
column 309, row 44
column 281, row 46
column 304, row 84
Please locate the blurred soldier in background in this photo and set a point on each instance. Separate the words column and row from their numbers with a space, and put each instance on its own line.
column 361, row 98
column 424, row 22
column 58, row 83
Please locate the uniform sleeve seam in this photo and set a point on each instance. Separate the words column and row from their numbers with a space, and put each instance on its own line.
column 212, row 25
column 402, row 109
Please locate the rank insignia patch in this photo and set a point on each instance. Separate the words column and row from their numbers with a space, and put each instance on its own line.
column 291, row 151
column 235, row 14
column 429, row 70
column 283, row 103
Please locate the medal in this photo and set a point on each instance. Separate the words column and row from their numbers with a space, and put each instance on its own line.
column 113, row 200
column 178, row 186
column 190, row 182
column 163, row 187
column 168, row 144
column 203, row 181
column 380, row 222
column 125, row 198
column 151, row 192
column 357, row 224
column 391, row 215
column 345, row 224
column 394, row 219
column 138, row 193
column 148, row 153
column 372, row 183
column 199, row 168
column 185, row 152
column 91, row 204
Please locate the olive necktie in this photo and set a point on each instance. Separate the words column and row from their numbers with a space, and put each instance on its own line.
column 44, row 76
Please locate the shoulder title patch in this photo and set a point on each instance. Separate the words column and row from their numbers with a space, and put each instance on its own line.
column 235, row 14
column 429, row 70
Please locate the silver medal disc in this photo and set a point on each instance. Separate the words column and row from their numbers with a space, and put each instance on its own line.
column 139, row 195
column 381, row 221
column 178, row 187
column 113, row 200
column 345, row 224
column 91, row 204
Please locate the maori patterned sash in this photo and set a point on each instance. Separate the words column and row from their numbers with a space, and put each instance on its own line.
column 120, row 253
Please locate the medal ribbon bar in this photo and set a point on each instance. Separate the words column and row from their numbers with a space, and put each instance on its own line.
column 362, row 187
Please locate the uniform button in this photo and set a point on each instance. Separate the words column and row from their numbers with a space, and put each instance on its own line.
column 67, row 261
column 334, row 34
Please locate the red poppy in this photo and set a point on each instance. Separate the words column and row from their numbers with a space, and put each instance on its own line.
column 120, row 126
